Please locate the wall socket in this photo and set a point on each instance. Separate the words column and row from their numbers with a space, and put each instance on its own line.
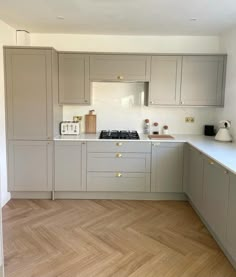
column 189, row 119
column 77, row 118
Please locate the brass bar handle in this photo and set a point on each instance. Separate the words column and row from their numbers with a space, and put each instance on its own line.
column 119, row 175
column 119, row 144
column 118, row 155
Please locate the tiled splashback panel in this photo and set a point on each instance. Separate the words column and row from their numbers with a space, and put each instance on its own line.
column 121, row 106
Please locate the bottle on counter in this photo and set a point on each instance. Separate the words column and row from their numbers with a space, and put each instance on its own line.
column 165, row 130
column 155, row 128
column 146, row 127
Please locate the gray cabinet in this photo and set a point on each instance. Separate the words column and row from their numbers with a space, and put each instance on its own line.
column 167, row 167
column 74, row 84
column 30, row 165
column 164, row 88
column 216, row 189
column 203, row 80
column 119, row 68
column 31, row 89
column 231, row 219
column 118, row 166
column 195, row 178
column 70, row 166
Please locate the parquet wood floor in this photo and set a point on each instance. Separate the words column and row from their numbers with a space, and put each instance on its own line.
column 108, row 238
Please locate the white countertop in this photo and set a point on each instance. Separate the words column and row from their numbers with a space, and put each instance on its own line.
column 223, row 153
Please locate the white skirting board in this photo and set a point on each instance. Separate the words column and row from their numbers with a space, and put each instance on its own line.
column 99, row 195
column 232, row 261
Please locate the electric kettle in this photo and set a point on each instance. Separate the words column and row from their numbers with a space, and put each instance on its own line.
column 223, row 133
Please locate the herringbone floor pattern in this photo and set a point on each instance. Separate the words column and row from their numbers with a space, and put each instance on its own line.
column 108, row 238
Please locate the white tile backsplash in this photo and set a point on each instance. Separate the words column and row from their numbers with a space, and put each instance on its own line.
column 121, row 106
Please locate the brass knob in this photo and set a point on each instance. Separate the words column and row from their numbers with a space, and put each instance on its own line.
column 119, row 144
column 120, row 77
column 211, row 162
column 118, row 155
column 118, row 175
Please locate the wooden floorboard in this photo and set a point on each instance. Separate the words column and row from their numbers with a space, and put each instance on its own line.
column 108, row 238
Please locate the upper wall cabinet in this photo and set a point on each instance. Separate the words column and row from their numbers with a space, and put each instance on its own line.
column 203, row 80
column 31, row 92
column 119, row 68
column 74, row 85
column 165, row 81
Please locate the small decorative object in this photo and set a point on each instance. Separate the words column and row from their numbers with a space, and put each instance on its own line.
column 165, row 130
column 155, row 128
column 146, row 127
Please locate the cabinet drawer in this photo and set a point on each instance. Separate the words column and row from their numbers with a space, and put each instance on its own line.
column 128, row 162
column 115, row 181
column 119, row 68
column 119, row 146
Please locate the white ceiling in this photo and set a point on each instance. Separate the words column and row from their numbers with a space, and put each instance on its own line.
column 120, row 17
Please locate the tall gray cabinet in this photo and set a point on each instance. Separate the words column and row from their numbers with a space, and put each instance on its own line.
column 32, row 115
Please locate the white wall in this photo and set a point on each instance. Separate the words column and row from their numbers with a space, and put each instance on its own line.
column 228, row 44
column 7, row 37
column 142, row 44
column 110, row 111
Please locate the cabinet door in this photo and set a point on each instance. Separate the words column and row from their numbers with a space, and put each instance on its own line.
column 70, row 166
column 202, row 80
column 195, row 178
column 165, row 80
column 231, row 218
column 216, row 187
column 167, row 167
column 29, row 93
column 30, row 165
column 119, row 68
column 74, row 85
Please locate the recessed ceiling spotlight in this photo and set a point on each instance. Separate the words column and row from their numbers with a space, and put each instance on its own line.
column 60, row 17
column 193, row 19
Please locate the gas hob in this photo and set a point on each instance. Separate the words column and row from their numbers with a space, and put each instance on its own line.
column 116, row 134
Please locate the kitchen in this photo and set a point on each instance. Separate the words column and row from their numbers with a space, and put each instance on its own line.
column 121, row 77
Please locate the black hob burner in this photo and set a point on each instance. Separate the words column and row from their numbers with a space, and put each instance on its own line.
column 115, row 134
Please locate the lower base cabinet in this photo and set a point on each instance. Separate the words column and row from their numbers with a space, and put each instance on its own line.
column 216, row 192
column 30, row 165
column 167, row 167
column 231, row 219
column 195, row 178
column 70, row 166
